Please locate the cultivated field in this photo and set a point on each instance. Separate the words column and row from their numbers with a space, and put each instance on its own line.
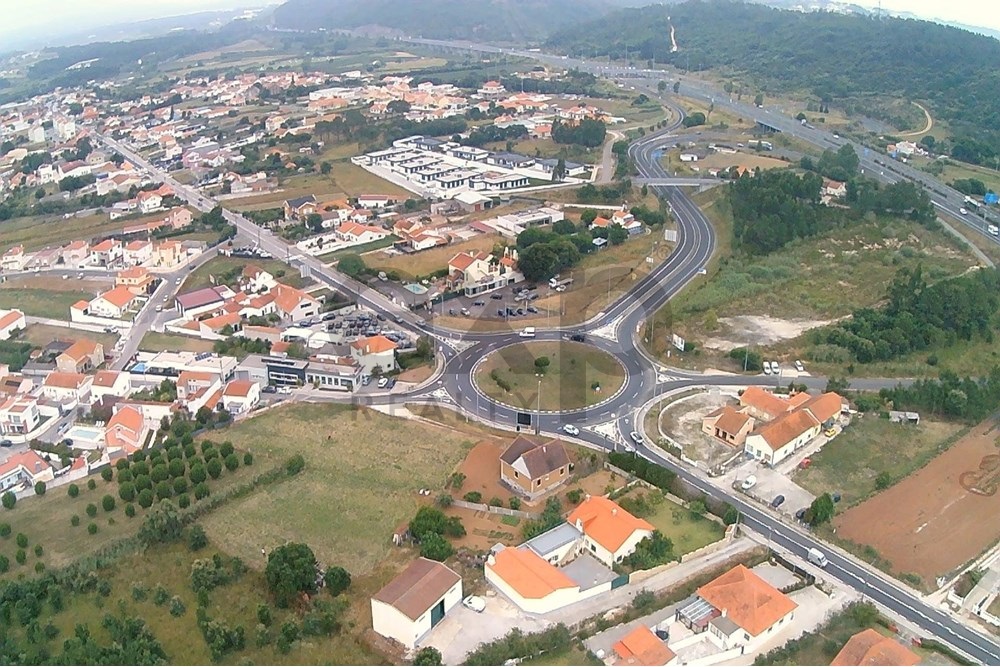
column 952, row 501
column 363, row 471
column 570, row 381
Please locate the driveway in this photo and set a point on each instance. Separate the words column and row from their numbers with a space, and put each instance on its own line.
column 462, row 630
column 770, row 484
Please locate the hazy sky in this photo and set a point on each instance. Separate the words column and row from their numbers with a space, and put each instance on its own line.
column 61, row 16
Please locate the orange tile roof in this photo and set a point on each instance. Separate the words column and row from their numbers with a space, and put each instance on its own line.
column 642, row 647
column 868, row 647
column 463, row 260
column 786, row 428
column 765, row 401
column 31, row 462
column 600, row 221
column 119, row 297
column 731, row 420
column 749, row 601
column 528, row 574
column 133, row 272
column 64, row 380
column 825, row 406
column 124, row 429
column 77, row 245
column 374, row 345
column 239, row 388
column 606, row 523
column 81, row 349
column 106, row 378
column 288, row 298
column 81, row 305
column 280, row 347
column 106, row 245
column 220, row 322
column 187, row 377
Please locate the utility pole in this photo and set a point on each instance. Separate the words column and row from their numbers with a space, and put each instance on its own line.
column 538, row 409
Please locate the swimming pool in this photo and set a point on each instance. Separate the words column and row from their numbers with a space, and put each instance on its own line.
column 85, row 437
column 416, row 289
column 140, row 367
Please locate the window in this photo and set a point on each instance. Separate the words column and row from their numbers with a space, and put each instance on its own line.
column 562, row 471
column 746, row 636
column 517, row 475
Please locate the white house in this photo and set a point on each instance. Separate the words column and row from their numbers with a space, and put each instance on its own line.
column 10, row 321
column 529, row 581
column 26, row 468
column 294, row 304
column 789, row 431
column 18, row 415
column 114, row 303
column 13, row 259
column 374, row 201
column 66, row 387
column 610, row 532
column 374, row 351
column 353, row 232
column 149, row 202
column 240, row 396
column 111, row 383
column 415, row 601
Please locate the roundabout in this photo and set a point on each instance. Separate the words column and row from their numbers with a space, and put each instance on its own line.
column 549, row 376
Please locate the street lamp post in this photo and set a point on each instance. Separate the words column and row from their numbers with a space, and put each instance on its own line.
column 538, row 408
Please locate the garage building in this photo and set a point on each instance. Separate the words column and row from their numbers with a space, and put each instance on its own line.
column 415, row 601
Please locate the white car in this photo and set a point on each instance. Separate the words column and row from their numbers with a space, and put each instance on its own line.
column 571, row 430
column 798, row 366
column 382, row 382
column 767, row 367
column 963, row 211
column 775, row 368
column 475, row 603
column 748, row 483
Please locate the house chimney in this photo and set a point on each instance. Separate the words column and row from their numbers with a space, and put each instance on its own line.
column 586, row 497
column 614, row 511
column 491, row 560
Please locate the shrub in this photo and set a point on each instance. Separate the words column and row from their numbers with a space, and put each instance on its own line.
column 232, row 462
column 176, row 468
column 201, row 491
column 264, row 614
column 214, row 468
column 337, row 580
column 496, row 501
column 184, row 501
column 575, row 496
column 91, row 510
column 883, row 481
column 145, row 499
column 295, row 464
column 248, row 459
column 197, row 539
column 4, row 529
column 473, row 497
column 8, row 500
column 74, row 520
column 39, row 488
column 163, row 490
column 291, row 569
column 39, row 551
column 39, row 567
column 143, row 482
column 21, row 540
column 122, row 464
column 225, row 449
column 130, row 510
column 21, row 556
column 92, row 528
column 4, row 564
column 444, row 500
column 108, row 503
column 428, row 655
column 126, row 491
column 198, row 474
column 125, row 476
column 515, row 503
column 435, row 547
column 177, row 607
column 160, row 595
column 159, row 473
column 141, row 468
column 91, row 484
column 107, row 473
column 180, row 485
column 73, row 490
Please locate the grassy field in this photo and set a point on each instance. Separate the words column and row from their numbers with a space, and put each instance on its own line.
column 345, row 180
column 851, row 461
column 159, row 342
column 953, row 169
column 363, row 470
column 40, row 302
column 360, row 248
column 547, row 148
column 37, row 232
column 223, row 266
column 42, row 334
column 750, row 160
column 688, row 531
column 426, row 262
column 569, row 380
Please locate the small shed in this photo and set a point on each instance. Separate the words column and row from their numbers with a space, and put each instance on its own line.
column 902, row 417
column 415, row 601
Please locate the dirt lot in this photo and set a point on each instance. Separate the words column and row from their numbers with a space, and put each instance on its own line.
column 758, row 330
column 681, row 420
column 953, row 501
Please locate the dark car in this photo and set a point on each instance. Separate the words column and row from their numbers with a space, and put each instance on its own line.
column 270, row 389
column 532, row 309
column 380, row 316
column 6, row 443
column 836, row 497
column 578, row 337
column 520, row 311
column 496, row 297
column 329, row 316
column 777, row 501
column 478, row 303
column 501, row 312
column 801, row 514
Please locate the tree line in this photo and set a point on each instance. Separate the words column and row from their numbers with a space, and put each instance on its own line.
column 918, row 316
column 968, row 399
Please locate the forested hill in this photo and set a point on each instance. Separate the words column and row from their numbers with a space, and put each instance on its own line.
column 488, row 20
column 831, row 55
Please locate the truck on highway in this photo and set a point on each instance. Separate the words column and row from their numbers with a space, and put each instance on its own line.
column 817, row 557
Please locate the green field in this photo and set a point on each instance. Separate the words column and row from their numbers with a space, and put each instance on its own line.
column 851, row 461
column 570, row 380
column 41, row 302
column 37, row 232
column 159, row 342
column 222, row 267
column 687, row 530
column 42, row 334
column 363, row 470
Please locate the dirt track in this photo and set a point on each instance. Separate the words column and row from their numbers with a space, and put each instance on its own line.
column 940, row 517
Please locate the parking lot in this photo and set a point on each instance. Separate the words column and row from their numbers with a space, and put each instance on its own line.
column 462, row 630
column 770, row 484
column 509, row 303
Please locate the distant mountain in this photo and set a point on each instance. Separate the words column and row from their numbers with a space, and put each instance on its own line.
column 488, row 20
column 834, row 56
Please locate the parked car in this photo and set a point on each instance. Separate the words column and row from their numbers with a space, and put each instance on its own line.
column 519, row 311
column 798, row 366
column 776, row 503
column 391, row 383
column 269, row 389
column 801, row 514
column 366, row 380
column 475, row 603
column 748, row 483
column 501, row 312
column 382, row 382
column 496, row 297
column 478, row 303
column 465, row 312
column 636, row 437
column 766, row 365
column 571, row 430
column 532, row 309
column 6, row 443
column 775, row 368
column 830, row 432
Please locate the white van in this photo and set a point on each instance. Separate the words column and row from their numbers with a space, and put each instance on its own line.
column 994, row 230
column 527, row 332
column 816, row 557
